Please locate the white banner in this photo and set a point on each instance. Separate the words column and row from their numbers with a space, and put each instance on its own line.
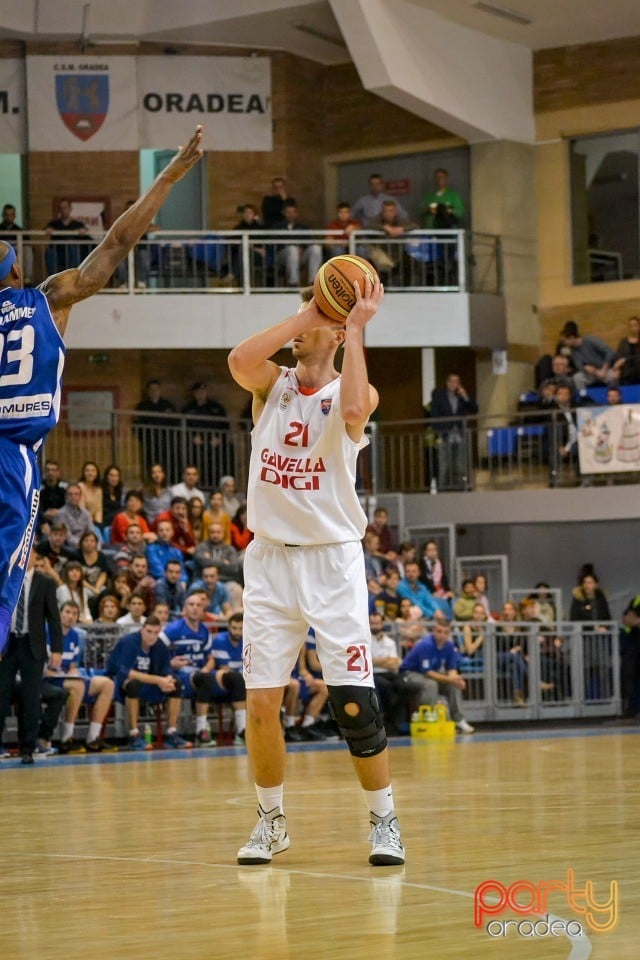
column 82, row 103
column 229, row 96
column 609, row 438
column 12, row 106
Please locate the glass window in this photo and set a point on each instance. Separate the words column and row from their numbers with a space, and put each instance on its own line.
column 605, row 207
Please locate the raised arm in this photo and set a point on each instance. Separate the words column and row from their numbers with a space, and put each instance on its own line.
column 64, row 289
column 358, row 399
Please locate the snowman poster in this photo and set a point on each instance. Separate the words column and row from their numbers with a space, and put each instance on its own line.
column 609, row 438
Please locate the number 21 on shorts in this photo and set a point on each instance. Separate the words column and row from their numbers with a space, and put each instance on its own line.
column 358, row 659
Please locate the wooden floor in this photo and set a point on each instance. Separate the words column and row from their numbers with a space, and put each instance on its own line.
column 134, row 857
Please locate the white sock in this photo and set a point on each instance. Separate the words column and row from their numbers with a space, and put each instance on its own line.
column 240, row 720
column 94, row 731
column 380, row 802
column 171, row 730
column 308, row 721
column 134, row 732
column 67, row 731
column 270, row 797
column 202, row 723
column 289, row 721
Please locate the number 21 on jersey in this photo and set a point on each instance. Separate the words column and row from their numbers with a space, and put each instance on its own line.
column 298, row 435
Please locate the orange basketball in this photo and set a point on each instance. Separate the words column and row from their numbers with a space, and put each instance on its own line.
column 333, row 286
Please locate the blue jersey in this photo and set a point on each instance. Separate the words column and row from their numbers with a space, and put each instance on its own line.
column 31, row 362
column 70, row 652
column 129, row 654
column 185, row 642
column 426, row 655
column 226, row 652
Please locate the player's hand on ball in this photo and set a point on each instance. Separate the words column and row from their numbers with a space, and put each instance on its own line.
column 367, row 302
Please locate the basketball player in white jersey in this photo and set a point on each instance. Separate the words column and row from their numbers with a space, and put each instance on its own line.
column 305, row 567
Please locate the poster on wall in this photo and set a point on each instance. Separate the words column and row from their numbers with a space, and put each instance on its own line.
column 609, row 438
column 82, row 103
column 229, row 96
column 12, row 106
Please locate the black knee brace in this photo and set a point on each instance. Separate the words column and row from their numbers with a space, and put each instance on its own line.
column 362, row 729
column 203, row 683
column 233, row 682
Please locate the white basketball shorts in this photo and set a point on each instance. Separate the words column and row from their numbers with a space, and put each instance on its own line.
column 289, row 589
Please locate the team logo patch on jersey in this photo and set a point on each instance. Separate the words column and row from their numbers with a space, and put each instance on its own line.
column 83, row 102
column 285, row 399
column 325, row 405
column 7, row 305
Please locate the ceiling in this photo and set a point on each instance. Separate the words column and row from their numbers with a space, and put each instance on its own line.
column 305, row 27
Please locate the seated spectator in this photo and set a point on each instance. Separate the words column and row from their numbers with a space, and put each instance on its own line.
column 133, row 546
column 54, row 551
column 77, row 519
column 345, row 223
column 592, row 359
column 546, row 606
column 409, row 624
column 407, row 552
column 119, row 589
column 293, row 256
column 626, row 365
column 375, row 562
column 170, row 588
column 162, row 552
column 91, row 491
column 215, row 551
column 387, row 602
column 388, row 684
column 195, row 511
column 72, row 590
column 258, row 260
column 142, row 583
column 132, row 513
column 430, row 669
column 157, row 495
column 390, row 223
column 463, row 606
column 216, row 593
column 108, row 609
column 561, row 373
column 511, row 655
column 134, row 617
column 482, row 587
column 241, row 536
column 412, row 588
column 380, row 526
column 216, row 513
column 614, row 396
column 163, row 613
column 112, row 496
column 189, row 486
column 433, row 573
column 182, row 535
column 473, row 637
column 52, row 495
column 96, row 691
column 140, row 666
column 314, row 694
column 95, row 568
column 231, row 501
column 369, row 206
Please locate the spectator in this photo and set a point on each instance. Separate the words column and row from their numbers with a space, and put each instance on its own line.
column 54, row 550
column 163, row 613
column 225, row 557
column 227, row 654
column 215, row 513
column 592, row 359
column 511, row 653
column 386, row 257
column 380, row 525
column 433, row 573
column 170, row 588
column 409, row 625
column 346, row 224
column 430, row 669
column 407, row 552
column 133, row 546
column 453, row 435
column 273, row 203
column 189, row 486
column 564, row 438
column 231, row 502
column 112, row 494
column 588, row 602
column 91, row 491
column 62, row 255
column 95, row 569
column 154, row 428
column 292, row 256
column 207, row 425
column 482, row 587
column 614, row 396
column 140, row 581
column 374, row 561
column 249, row 221
column 216, row 593
column 388, row 684
column 162, row 552
column 369, row 206
column 546, row 607
column 52, row 495
column 182, row 534
column 96, row 691
column 77, row 519
column 72, row 590
column 560, row 374
column 108, row 609
column 313, row 692
column 9, row 231
column 140, row 666
column 132, row 513
column 473, row 637
column 412, row 588
column 134, row 617
column 157, row 495
column 627, row 363
column 387, row 602
column 443, row 207
column 463, row 606
column 195, row 511
column 241, row 536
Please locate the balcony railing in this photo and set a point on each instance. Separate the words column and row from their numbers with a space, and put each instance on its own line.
column 228, row 261
column 410, row 456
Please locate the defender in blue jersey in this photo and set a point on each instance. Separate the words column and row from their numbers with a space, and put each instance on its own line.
column 32, row 324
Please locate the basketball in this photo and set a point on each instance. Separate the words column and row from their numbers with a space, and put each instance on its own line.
column 333, row 286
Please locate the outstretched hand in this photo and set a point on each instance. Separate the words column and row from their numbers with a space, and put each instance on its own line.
column 185, row 158
column 366, row 304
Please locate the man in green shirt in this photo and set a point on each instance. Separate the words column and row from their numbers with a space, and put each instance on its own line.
column 443, row 207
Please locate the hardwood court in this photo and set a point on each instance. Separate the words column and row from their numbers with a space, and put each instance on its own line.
column 136, row 859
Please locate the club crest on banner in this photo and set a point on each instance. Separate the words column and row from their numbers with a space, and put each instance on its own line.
column 83, row 102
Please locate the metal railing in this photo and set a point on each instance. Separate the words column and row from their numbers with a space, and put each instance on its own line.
column 408, row 456
column 232, row 261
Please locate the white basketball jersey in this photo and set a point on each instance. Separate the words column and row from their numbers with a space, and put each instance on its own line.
column 303, row 468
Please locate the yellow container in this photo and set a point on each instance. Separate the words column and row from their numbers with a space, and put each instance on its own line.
column 432, row 723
